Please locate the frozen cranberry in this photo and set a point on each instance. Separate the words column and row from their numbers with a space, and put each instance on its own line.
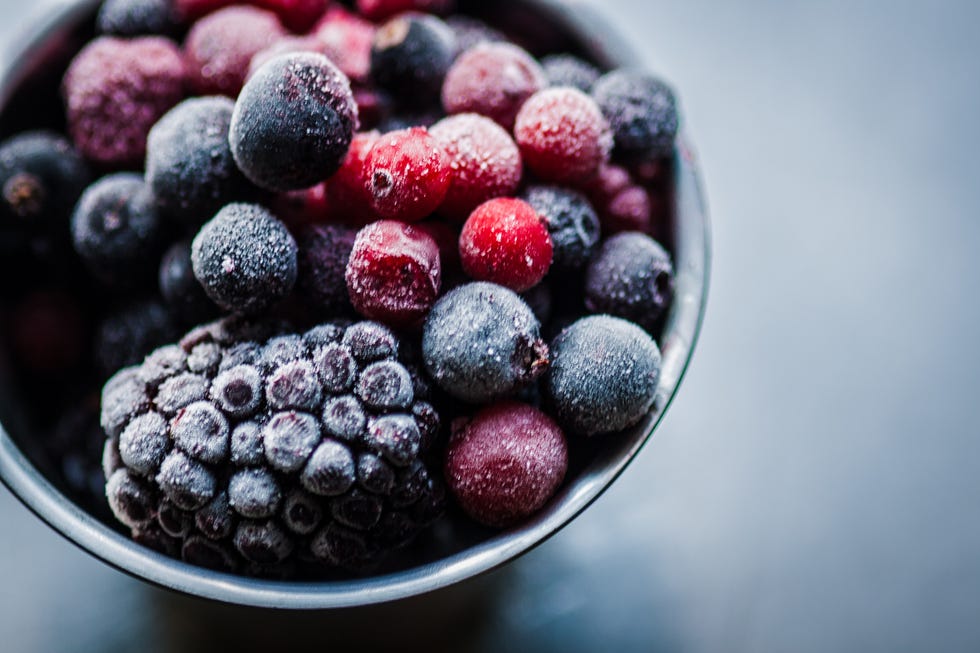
column 563, row 135
column 297, row 15
column 299, row 208
column 485, row 160
column 408, row 175
column 506, row 463
column 506, row 242
column 384, row 9
column 115, row 91
column 220, row 47
column 348, row 39
column 394, row 273
column 348, row 190
column 493, row 80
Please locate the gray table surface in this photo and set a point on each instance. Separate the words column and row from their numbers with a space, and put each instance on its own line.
column 814, row 487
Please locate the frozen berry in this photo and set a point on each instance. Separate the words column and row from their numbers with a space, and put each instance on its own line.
column 202, row 432
column 572, row 223
column 482, row 342
column 244, row 258
column 603, row 376
column 485, row 161
column 471, row 31
column 301, row 208
column 127, row 335
column 370, row 341
column 628, row 210
column 382, row 9
column 641, row 110
column 190, row 10
column 330, row 471
column 394, row 273
column 181, row 289
column 349, row 192
column 324, row 251
column 505, row 463
column 41, row 179
column 563, row 135
column 254, row 493
column 115, row 91
column 144, row 443
column 289, row 44
column 186, row 482
column 220, row 47
column 410, row 56
column 507, row 242
column 116, row 229
column 493, row 80
column 631, row 277
column 569, row 70
column 189, row 166
column 297, row 15
column 346, row 39
column 137, row 18
column 408, row 174
column 293, row 122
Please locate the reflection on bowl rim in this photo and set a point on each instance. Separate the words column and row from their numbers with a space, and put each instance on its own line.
column 692, row 256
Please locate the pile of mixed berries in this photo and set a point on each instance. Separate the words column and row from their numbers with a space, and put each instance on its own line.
column 414, row 264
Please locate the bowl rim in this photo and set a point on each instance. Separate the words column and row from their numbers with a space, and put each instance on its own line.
column 693, row 254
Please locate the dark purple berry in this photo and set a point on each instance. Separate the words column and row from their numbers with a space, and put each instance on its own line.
column 335, row 367
column 641, row 110
column 323, row 254
column 569, row 70
column 124, row 397
column 571, row 221
column 127, row 335
column 254, row 493
column 244, row 258
column 603, row 376
column 301, row 512
column 289, row 439
column 137, row 18
column 189, row 166
column 481, row 341
column 386, row 386
column 116, row 229
column 202, row 432
column 175, row 522
column 370, row 341
column 215, row 520
column 185, row 481
column 131, row 499
column 344, row 418
column 205, row 553
column 396, row 437
column 247, row 446
column 631, row 277
column 293, row 122
column 410, row 56
column 330, row 471
column 293, row 386
column 181, row 289
column 374, row 474
column 262, row 542
column 357, row 510
column 180, row 391
column 144, row 443
column 238, row 391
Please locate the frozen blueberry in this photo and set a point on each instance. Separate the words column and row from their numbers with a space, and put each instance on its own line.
column 330, row 471
column 344, row 418
column 280, row 350
column 144, row 443
column 263, row 542
column 324, row 251
column 301, row 512
column 185, row 481
column 244, row 258
column 116, row 229
column 481, row 341
column 137, row 18
column 335, row 367
column 180, row 391
column 289, row 439
column 569, row 70
column 181, row 289
column 396, row 437
column 374, row 474
column 247, row 447
column 254, row 493
column 238, row 391
column 293, row 122
column 202, row 432
column 132, row 500
column 603, row 376
column 641, row 110
column 631, row 277
column 386, row 386
column 293, row 385
column 41, row 179
column 189, row 166
column 572, row 223
column 410, row 56
column 370, row 341
column 357, row 510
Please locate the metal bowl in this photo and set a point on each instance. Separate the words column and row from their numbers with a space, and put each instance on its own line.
column 33, row 67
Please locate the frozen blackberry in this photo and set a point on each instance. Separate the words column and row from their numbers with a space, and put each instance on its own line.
column 244, row 258
column 309, row 448
column 41, row 179
column 569, row 70
column 293, row 122
column 116, row 229
column 410, row 56
column 128, row 334
column 571, row 221
column 641, row 110
column 481, row 342
column 189, row 166
column 181, row 289
column 631, row 277
column 603, row 375
column 324, row 251
column 137, row 18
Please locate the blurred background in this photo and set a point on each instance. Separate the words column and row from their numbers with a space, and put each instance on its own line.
column 815, row 486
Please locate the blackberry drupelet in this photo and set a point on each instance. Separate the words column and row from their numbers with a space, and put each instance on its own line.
column 308, row 451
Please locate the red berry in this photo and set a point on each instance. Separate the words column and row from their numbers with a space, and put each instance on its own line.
column 493, row 80
column 116, row 90
column 607, row 183
column 394, row 273
column 408, row 175
column 347, row 38
column 302, row 207
column 297, row 15
column 485, row 160
column 348, row 189
column 506, row 242
column 219, row 48
column 385, row 9
column 563, row 135
column 506, row 463
column 629, row 210
column 189, row 10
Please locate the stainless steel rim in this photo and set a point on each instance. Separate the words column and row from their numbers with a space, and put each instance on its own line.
column 692, row 253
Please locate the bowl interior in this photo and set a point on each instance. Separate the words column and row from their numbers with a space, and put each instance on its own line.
column 30, row 74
